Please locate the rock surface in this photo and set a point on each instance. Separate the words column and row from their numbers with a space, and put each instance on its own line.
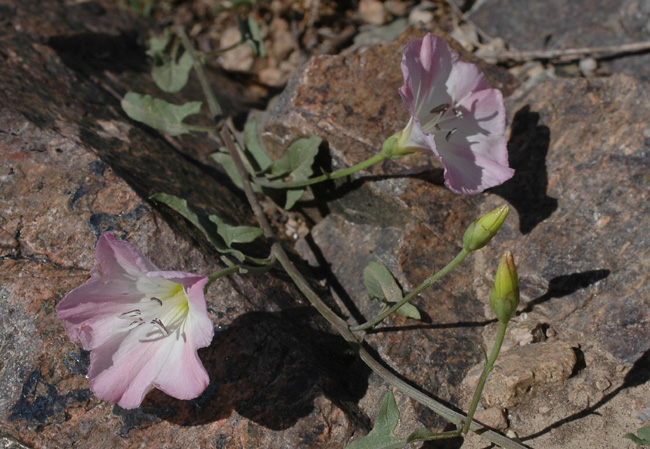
column 581, row 152
column 555, row 24
column 73, row 166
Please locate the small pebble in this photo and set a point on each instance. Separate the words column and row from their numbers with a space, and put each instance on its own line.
column 603, row 384
column 550, row 332
column 421, row 14
column 511, row 434
column 544, row 409
column 587, row 66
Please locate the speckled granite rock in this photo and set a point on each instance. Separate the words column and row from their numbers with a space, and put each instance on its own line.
column 75, row 167
column 579, row 201
column 72, row 166
column 575, row 24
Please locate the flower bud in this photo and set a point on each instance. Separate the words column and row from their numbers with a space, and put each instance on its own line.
column 481, row 231
column 504, row 297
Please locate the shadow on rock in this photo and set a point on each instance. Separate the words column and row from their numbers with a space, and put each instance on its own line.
column 567, row 284
column 526, row 190
column 638, row 375
column 268, row 368
column 94, row 52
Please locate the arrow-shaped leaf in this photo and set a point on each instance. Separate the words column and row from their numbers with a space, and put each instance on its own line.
column 382, row 435
column 644, row 436
column 172, row 76
column 381, row 284
column 209, row 225
column 159, row 114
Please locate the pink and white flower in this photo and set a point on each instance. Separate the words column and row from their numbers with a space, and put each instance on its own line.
column 143, row 326
column 455, row 115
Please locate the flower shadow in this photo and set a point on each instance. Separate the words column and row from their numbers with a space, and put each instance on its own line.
column 270, row 370
column 526, row 190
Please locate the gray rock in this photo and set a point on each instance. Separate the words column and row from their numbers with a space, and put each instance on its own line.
column 556, row 24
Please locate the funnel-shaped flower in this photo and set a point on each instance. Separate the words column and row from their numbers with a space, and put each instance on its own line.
column 455, row 115
column 143, row 326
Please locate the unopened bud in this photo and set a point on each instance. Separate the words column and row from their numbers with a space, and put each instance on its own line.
column 504, row 297
column 481, row 231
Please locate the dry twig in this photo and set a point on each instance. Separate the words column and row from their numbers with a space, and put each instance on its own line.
column 564, row 55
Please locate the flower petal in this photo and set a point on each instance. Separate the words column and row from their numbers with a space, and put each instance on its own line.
column 455, row 115
column 123, row 370
column 184, row 376
column 468, row 172
column 116, row 258
column 118, row 314
column 464, row 79
column 426, row 65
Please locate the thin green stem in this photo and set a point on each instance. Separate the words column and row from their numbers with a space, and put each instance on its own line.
column 372, row 160
column 213, row 104
column 341, row 326
column 223, row 50
column 419, row 289
column 205, row 129
column 489, row 365
column 240, row 269
column 221, row 273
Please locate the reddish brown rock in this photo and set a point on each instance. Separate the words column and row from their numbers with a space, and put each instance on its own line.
column 580, row 150
column 581, row 154
column 72, row 166
column 523, row 369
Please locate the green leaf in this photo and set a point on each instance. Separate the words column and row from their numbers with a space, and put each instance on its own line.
column 225, row 160
column 380, row 283
column 409, row 311
column 235, row 234
column 293, row 196
column 298, row 160
column 252, row 144
column 250, row 32
column 422, row 434
column 296, row 164
column 382, row 434
column 159, row 114
column 206, row 224
column 172, row 76
column 644, row 436
column 157, row 45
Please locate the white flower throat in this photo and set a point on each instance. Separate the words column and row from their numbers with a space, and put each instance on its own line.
column 441, row 116
column 163, row 314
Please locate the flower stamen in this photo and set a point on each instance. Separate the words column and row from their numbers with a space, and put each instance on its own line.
column 158, row 300
column 159, row 324
column 440, row 109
